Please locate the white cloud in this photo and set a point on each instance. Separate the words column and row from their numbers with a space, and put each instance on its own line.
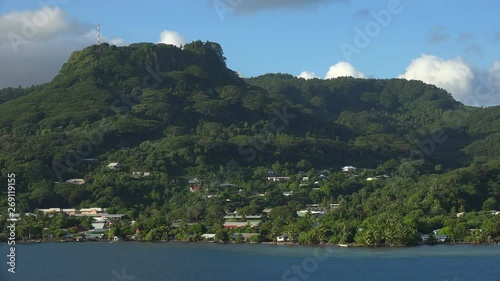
column 172, row 37
column 37, row 25
column 34, row 44
column 453, row 75
column 307, row 75
column 465, row 84
column 343, row 69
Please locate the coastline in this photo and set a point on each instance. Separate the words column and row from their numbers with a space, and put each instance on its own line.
column 352, row 245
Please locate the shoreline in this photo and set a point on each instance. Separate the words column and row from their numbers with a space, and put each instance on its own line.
column 353, row 245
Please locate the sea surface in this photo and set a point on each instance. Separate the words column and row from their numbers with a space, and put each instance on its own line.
column 128, row 261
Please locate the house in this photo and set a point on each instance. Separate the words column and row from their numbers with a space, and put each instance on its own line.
column 461, row 214
column 349, row 169
column 70, row 212
column 288, row 193
column 114, row 166
column 439, row 237
column 495, row 212
column 305, row 178
column 277, row 178
column 267, row 210
column 371, row 179
column 92, row 211
column 322, row 177
column 235, row 221
column 76, row 181
column 282, row 238
column 51, row 210
column 94, row 236
column 140, row 174
column 194, row 181
column 98, row 225
column 195, row 188
column 208, row 236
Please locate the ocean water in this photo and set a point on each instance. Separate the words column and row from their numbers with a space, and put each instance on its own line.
column 126, row 261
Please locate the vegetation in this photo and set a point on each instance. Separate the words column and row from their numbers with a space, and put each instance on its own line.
column 181, row 113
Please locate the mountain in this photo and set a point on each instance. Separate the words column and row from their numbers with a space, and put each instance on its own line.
column 180, row 112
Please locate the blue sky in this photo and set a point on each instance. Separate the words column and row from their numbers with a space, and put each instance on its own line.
column 440, row 42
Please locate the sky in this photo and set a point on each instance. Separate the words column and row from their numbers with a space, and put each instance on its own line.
column 451, row 44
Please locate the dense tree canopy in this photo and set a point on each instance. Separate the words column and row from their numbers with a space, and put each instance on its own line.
column 180, row 113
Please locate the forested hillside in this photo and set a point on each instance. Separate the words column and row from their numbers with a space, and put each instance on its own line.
column 181, row 113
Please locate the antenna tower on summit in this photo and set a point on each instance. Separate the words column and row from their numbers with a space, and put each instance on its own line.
column 98, row 34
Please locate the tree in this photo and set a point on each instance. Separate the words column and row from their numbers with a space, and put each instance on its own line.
column 221, row 235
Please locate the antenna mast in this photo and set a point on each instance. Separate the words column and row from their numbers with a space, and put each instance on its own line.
column 98, row 34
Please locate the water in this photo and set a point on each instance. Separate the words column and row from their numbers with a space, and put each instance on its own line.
column 186, row 262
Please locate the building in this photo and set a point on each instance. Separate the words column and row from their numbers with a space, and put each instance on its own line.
column 92, row 211
column 140, row 174
column 277, row 178
column 439, row 237
column 76, row 181
column 349, row 169
column 114, row 166
column 51, row 210
column 208, row 236
column 70, row 212
column 282, row 238
column 235, row 221
column 195, row 188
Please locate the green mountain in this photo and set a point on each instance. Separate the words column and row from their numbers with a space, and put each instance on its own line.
column 180, row 113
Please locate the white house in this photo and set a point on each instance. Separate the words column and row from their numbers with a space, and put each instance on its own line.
column 208, row 236
column 282, row 238
column 277, row 178
column 113, row 166
column 51, row 210
column 288, row 193
column 349, row 169
column 76, row 181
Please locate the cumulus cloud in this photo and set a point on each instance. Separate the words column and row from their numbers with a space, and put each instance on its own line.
column 35, row 43
column 307, row 75
column 465, row 84
column 343, row 69
column 172, row 37
column 453, row 75
column 253, row 6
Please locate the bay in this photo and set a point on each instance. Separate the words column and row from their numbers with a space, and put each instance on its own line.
column 128, row 261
